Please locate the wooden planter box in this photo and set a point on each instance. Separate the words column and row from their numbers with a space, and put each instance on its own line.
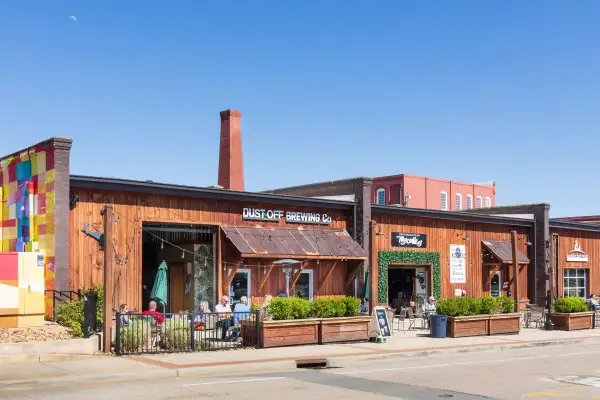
column 281, row 333
column 572, row 321
column 346, row 329
column 483, row 325
column 505, row 323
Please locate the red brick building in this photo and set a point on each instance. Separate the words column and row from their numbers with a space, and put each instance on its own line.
column 430, row 193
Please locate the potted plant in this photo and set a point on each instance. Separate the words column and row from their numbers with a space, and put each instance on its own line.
column 479, row 316
column 296, row 321
column 571, row 313
column 341, row 320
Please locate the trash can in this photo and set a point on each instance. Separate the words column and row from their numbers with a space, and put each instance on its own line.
column 438, row 325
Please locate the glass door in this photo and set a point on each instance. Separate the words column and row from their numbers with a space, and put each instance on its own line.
column 240, row 286
column 496, row 285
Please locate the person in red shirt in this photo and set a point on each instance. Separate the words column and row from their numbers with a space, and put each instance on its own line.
column 152, row 311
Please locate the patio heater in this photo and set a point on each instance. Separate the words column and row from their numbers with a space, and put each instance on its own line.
column 286, row 266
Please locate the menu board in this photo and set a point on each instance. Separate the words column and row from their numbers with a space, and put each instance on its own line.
column 382, row 321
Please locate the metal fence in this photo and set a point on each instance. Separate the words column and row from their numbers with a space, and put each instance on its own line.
column 143, row 333
column 59, row 296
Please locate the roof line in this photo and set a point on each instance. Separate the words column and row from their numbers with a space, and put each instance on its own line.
column 579, row 226
column 127, row 185
column 453, row 215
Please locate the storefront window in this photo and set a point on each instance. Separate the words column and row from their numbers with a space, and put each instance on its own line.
column 576, row 282
column 304, row 286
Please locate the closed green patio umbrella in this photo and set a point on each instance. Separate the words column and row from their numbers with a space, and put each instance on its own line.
column 159, row 290
column 367, row 285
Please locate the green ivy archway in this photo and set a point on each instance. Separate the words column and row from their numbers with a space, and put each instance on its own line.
column 406, row 257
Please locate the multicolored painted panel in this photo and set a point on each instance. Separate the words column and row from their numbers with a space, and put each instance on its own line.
column 27, row 206
column 21, row 290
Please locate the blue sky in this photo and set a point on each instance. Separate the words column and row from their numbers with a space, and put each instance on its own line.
column 468, row 90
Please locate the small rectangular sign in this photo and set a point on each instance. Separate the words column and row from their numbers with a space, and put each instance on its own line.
column 414, row 240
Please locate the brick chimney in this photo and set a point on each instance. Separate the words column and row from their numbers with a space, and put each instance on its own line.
column 231, row 164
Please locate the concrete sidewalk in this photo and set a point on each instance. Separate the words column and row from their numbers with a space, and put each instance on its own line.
column 409, row 344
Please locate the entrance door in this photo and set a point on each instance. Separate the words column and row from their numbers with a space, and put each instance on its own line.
column 176, row 288
column 421, row 286
column 240, row 286
column 496, row 285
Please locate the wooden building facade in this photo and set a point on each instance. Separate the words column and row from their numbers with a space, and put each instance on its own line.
column 314, row 232
column 453, row 254
column 575, row 258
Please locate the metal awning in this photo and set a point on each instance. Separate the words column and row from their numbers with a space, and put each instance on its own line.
column 502, row 250
column 301, row 243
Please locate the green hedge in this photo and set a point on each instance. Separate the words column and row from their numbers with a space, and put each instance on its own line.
column 467, row 306
column 282, row 308
column 570, row 305
column 70, row 313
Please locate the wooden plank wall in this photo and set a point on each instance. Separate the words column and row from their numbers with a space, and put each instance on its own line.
column 441, row 234
column 131, row 209
column 590, row 244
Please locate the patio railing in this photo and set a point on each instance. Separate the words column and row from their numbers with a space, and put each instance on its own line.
column 138, row 333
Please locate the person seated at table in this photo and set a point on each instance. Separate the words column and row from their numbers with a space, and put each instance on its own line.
column 223, row 309
column 160, row 319
column 241, row 311
column 202, row 317
column 364, row 306
column 125, row 317
column 265, row 314
column 429, row 307
column 594, row 302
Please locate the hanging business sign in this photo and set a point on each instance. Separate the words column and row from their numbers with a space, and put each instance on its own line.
column 415, row 240
column 291, row 217
column 458, row 263
column 577, row 255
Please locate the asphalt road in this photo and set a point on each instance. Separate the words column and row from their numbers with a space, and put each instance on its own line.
column 570, row 371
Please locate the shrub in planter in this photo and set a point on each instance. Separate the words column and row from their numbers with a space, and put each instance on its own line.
column 136, row 336
column 175, row 334
column 301, row 308
column 508, row 304
column 491, row 305
column 280, row 309
column 570, row 305
column 329, row 308
column 352, row 306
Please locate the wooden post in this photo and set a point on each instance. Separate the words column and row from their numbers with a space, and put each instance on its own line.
column 109, row 274
column 515, row 259
column 373, row 270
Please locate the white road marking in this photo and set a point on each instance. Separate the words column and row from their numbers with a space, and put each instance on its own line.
column 467, row 363
column 235, row 381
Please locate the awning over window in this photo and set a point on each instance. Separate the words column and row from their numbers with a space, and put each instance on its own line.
column 502, row 251
column 298, row 243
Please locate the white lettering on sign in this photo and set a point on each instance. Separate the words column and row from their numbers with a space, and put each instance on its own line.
column 259, row 214
column 577, row 255
column 409, row 240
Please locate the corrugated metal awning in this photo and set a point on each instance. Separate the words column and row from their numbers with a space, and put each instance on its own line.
column 294, row 242
column 502, row 250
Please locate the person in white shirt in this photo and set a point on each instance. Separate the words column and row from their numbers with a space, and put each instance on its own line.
column 224, row 321
column 429, row 307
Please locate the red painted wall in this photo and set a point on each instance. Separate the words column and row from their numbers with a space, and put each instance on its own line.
column 427, row 192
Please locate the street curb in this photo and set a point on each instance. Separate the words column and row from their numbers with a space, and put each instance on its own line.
column 42, row 358
column 333, row 361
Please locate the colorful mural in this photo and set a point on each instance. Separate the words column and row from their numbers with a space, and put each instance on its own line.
column 21, row 290
column 28, row 205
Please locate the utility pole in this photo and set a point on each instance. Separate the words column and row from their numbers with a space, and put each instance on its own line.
column 515, row 261
column 109, row 274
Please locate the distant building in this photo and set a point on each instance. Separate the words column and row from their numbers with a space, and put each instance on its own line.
column 404, row 190
column 590, row 219
column 430, row 193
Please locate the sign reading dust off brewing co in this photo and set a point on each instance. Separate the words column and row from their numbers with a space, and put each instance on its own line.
column 259, row 214
column 417, row 240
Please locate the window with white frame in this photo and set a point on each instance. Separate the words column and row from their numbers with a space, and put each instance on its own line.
column 576, row 282
column 458, row 201
column 469, row 202
column 381, row 196
column 488, row 202
column 304, row 285
column 444, row 201
column 479, row 203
